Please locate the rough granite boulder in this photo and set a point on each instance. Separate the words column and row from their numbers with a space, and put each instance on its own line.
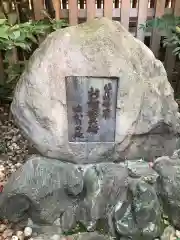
column 41, row 190
column 106, row 185
column 139, row 217
column 45, row 191
column 168, row 187
column 147, row 118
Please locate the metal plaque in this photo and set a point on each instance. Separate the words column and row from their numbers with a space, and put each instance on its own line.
column 91, row 108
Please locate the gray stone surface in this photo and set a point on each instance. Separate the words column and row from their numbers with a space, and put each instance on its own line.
column 168, row 187
column 58, row 196
column 147, row 121
column 48, row 230
column 45, row 190
column 50, row 186
column 146, row 209
column 141, row 169
column 140, row 216
column 105, row 185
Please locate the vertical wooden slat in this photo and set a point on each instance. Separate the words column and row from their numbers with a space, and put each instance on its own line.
column 108, row 8
column 125, row 13
column 57, row 8
column 156, row 37
column 142, row 17
column 173, row 3
column 170, row 59
column 90, row 5
column 38, row 6
column 177, row 8
column 73, row 12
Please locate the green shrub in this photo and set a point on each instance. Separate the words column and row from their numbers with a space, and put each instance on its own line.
column 21, row 36
column 169, row 26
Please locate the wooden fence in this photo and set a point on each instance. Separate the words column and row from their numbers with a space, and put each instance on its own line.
column 131, row 13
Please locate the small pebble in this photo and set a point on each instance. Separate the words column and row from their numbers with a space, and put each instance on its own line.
column 7, row 233
column 2, row 227
column 30, row 222
column 177, row 234
column 64, row 238
column 27, row 232
column 17, row 165
column 2, row 168
column 20, row 235
column 14, row 238
column 57, row 222
column 55, row 237
column 2, row 176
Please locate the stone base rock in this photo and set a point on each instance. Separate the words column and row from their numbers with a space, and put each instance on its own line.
column 140, row 217
column 99, row 197
column 50, row 189
column 168, row 186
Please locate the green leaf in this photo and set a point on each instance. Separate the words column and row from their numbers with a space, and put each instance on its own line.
column 15, row 35
column 2, row 21
column 22, row 37
column 59, row 24
column 4, row 31
column 176, row 50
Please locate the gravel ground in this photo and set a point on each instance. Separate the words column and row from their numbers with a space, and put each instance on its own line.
column 13, row 147
column 14, row 150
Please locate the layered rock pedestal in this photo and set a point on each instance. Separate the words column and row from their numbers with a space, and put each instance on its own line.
column 120, row 199
column 92, row 96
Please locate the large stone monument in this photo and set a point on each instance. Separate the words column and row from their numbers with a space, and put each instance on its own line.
column 94, row 93
column 91, row 96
